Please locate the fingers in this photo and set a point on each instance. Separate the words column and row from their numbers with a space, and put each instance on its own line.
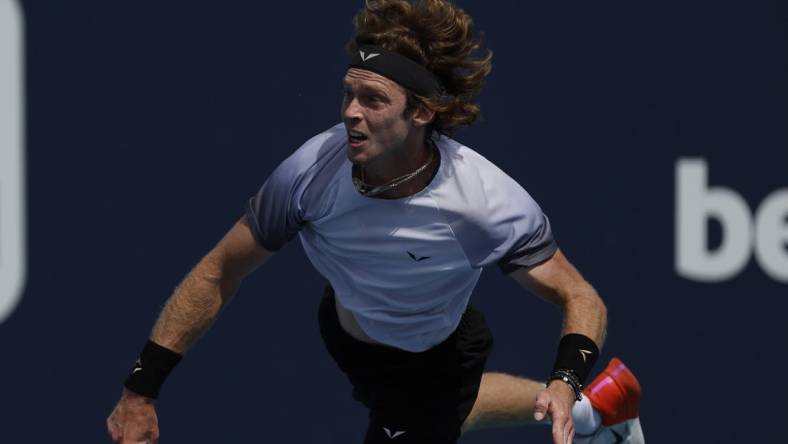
column 123, row 430
column 568, row 431
column 560, row 413
column 541, row 405
column 112, row 428
column 137, row 438
column 563, row 426
column 139, row 441
column 559, row 428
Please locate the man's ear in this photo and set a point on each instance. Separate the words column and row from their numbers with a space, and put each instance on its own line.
column 422, row 115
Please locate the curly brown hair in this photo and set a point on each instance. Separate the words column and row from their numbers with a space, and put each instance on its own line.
column 439, row 36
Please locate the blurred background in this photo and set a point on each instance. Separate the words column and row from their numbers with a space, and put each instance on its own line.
column 654, row 135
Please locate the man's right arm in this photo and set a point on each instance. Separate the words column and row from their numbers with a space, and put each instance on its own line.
column 209, row 286
column 189, row 312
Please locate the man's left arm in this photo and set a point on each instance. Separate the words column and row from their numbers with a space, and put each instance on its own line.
column 559, row 282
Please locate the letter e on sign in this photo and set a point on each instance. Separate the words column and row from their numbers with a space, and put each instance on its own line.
column 13, row 258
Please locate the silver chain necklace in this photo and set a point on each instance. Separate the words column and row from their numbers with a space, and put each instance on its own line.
column 370, row 190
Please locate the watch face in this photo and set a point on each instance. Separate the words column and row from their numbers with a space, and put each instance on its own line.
column 12, row 192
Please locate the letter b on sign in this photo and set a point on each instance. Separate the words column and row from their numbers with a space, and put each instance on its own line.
column 12, row 193
column 696, row 202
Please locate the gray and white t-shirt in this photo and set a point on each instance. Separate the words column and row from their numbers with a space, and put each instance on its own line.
column 404, row 267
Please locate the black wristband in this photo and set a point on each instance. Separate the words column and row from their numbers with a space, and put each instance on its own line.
column 151, row 369
column 577, row 353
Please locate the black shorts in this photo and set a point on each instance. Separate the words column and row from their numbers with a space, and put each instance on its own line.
column 412, row 397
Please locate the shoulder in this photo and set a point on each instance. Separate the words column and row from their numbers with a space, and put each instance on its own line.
column 479, row 179
column 489, row 212
column 313, row 166
column 317, row 151
column 290, row 196
column 469, row 163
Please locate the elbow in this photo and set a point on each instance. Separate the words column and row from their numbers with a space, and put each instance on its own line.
column 586, row 302
column 217, row 270
column 215, row 274
column 602, row 309
column 596, row 306
column 597, row 311
column 211, row 271
column 599, row 305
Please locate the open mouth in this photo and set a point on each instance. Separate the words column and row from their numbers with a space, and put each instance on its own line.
column 356, row 137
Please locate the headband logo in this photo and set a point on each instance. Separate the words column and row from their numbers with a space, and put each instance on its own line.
column 365, row 57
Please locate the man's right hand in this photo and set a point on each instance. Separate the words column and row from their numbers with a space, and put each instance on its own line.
column 199, row 298
column 134, row 420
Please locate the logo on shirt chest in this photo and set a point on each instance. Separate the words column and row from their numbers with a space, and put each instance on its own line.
column 417, row 258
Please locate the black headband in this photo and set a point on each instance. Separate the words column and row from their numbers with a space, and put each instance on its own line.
column 398, row 68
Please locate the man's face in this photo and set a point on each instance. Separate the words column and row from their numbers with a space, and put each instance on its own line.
column 373, row 109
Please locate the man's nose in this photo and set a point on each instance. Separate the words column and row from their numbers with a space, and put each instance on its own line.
column 352, row 109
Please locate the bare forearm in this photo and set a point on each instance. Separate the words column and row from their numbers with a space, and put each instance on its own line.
column 585, row 313
column 559, row 282
column 192, row 308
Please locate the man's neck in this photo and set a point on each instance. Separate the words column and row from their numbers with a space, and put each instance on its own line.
column 396, row 164
column 429, row 156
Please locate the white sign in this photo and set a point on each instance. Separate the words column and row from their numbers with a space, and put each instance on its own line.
column 12, row 179
column 765, row 232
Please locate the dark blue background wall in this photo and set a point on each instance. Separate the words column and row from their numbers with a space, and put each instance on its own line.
column 151, row 123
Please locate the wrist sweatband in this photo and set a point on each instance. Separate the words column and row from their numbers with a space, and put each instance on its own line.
column 151, row 369
column 576, row 353
column 398, row 68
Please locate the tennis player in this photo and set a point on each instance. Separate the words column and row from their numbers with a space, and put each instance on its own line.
column 401, row 219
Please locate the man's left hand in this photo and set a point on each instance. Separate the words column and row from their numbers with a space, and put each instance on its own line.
column 556, row 401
